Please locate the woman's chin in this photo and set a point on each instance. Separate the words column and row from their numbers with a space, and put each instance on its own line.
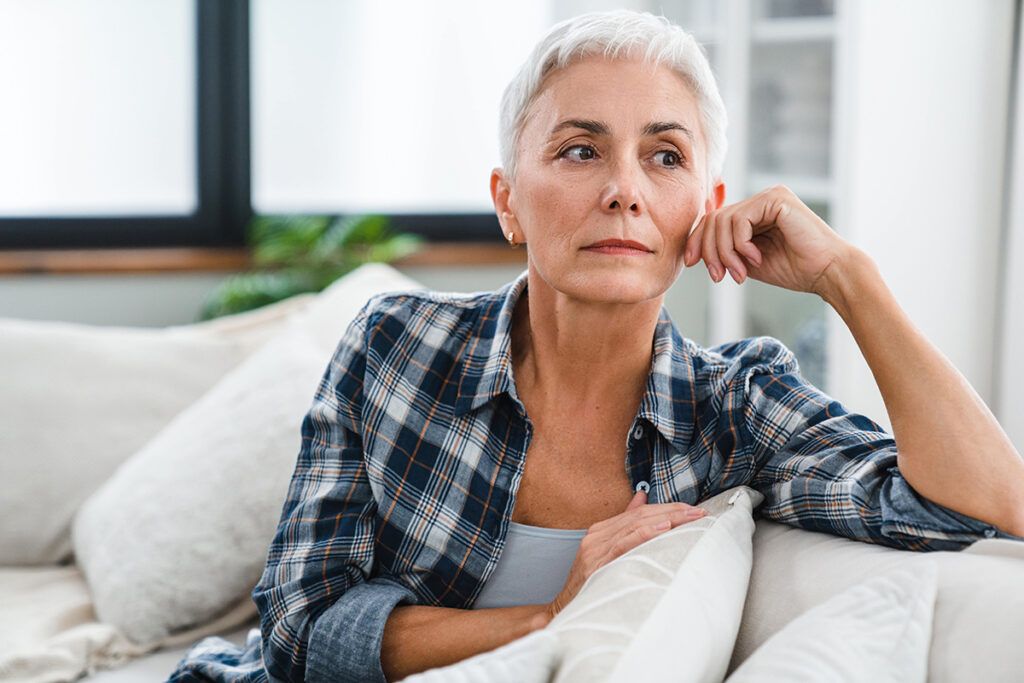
column 617, row 286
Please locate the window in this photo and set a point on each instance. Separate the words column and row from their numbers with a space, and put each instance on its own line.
column 134, row 124
column 385, row 107
column 125, row 123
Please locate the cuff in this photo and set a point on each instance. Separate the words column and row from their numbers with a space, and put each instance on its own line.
column 344, row 642
column 907, row 514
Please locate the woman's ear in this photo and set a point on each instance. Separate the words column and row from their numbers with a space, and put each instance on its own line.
column 501, row 195
column 717, row 198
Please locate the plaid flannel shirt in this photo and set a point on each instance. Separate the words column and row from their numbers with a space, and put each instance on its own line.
column 415, row 444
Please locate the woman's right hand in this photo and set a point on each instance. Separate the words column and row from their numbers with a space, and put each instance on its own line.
column 617, row 535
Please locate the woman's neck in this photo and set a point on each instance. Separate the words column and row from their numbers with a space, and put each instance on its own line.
column 568, row 350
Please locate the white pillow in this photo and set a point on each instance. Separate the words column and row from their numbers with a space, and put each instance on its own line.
column 77, row 400
column 180, row 533
column 877, row 630
column 979, row 606
column 255, row 327
column 669, row 609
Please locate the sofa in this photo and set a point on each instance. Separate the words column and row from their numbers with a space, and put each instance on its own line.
column 144, row 472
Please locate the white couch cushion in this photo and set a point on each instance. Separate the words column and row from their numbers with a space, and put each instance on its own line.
column 877, row 630
column 77, row 400
column 669, row 609
column 180, row 532
column 979, row 607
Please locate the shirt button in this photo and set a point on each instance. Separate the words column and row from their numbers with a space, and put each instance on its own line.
column 638, row 432
column 643, row 486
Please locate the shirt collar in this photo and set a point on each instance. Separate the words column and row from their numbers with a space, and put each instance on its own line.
column 669, row 400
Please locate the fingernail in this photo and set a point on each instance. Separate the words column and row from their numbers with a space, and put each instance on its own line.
column 733, row 275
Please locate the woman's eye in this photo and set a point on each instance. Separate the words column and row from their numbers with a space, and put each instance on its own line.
column 676, row 160
column 586, row 152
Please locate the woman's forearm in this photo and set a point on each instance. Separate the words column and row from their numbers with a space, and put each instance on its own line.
column 417, row 637
column 950, row 447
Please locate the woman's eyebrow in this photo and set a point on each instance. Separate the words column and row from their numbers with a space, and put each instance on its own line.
column 595, row 127
column 661, row 126
column 599, row 128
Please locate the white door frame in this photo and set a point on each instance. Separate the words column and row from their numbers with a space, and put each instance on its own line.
column 1008, row 372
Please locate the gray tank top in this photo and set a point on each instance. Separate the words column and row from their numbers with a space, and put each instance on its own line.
column 533, row 566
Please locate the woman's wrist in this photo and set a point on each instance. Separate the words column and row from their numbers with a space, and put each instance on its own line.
column 540, row 618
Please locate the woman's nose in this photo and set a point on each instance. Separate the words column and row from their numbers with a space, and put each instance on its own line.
column 622, row 191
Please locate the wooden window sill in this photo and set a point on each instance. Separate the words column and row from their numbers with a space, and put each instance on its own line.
column 207, row 259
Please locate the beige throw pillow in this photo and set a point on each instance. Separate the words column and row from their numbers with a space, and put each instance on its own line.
column 77, row 400
column 180, row 533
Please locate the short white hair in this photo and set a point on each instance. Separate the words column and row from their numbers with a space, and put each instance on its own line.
column 616, row 33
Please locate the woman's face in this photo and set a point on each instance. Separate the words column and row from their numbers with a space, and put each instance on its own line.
column 610, row 150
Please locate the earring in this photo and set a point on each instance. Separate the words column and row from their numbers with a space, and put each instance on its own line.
column 511, row 236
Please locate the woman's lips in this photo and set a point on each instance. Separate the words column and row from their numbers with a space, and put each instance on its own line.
column 623, row 251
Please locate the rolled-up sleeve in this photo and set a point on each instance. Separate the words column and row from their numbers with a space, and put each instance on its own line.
column 824, row 468
column 321, row 613
column 346, row 639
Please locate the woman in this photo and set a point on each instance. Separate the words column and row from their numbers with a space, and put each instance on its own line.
column 470, row 459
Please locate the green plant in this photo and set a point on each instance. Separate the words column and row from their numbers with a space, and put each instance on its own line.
column 296, row 254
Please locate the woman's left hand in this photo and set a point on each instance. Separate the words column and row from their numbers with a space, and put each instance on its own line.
column 772, row 237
